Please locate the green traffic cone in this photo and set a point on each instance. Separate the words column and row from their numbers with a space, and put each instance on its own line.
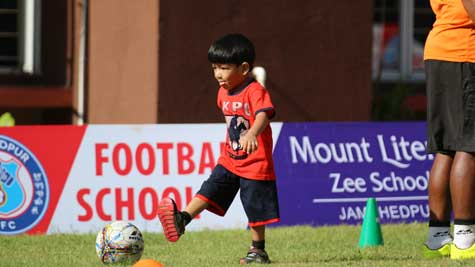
column 371, row 231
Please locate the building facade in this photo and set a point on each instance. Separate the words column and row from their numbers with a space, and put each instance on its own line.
column 119, row 61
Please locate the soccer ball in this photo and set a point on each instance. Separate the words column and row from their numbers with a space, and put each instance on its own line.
column 119, row 242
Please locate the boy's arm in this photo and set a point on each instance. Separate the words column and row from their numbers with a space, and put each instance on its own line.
column 248, row 142
column 469, row 6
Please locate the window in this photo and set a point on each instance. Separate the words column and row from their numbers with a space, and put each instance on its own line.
column 400, row 28
column 19, row 38
column 36, row 60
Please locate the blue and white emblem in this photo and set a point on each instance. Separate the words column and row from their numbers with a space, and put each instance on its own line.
column 24, row 188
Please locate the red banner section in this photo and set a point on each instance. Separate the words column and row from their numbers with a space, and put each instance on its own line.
column 54, row 148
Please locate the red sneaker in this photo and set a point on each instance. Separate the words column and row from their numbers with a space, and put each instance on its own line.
column 171, row 219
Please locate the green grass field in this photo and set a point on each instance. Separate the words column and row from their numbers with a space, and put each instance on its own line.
column 288, row 246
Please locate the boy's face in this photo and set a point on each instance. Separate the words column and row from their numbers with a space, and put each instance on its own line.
column 230, row 75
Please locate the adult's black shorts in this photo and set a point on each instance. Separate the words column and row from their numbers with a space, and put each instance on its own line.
column 450, row 106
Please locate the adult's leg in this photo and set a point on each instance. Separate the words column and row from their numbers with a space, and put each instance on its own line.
column 439, row 188
column 462, row 175
column 462, row 182
column 462, row 186
column 438, row 236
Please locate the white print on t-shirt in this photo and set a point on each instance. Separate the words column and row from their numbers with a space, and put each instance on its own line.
column 235, row 106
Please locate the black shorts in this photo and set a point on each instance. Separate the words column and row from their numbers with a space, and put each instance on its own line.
column 450, row 106
column 259, row 198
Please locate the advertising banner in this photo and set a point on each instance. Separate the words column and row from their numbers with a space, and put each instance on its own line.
column 70, row 179
column 77, row 179
column 327, row 171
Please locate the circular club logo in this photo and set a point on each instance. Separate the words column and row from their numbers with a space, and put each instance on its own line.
column 24, row 189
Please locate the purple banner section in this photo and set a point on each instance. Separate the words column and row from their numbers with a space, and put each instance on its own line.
column 327, row 171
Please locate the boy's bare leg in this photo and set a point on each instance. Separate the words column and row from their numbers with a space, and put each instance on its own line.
column 257, row 253
column 196, row 206
column 462, row 183
column 258, row 233
column 439, row 188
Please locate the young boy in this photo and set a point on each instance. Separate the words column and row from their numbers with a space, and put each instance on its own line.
column 246, row 163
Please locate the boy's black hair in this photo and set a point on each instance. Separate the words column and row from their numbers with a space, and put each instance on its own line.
column 232, row 49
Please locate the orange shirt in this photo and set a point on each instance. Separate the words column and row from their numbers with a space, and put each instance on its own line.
column 239, row 109
column 452, row 37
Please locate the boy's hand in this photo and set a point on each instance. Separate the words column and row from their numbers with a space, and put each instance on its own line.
column 248, row 142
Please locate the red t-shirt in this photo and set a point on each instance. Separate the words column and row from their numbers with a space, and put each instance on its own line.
column 240, row 108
